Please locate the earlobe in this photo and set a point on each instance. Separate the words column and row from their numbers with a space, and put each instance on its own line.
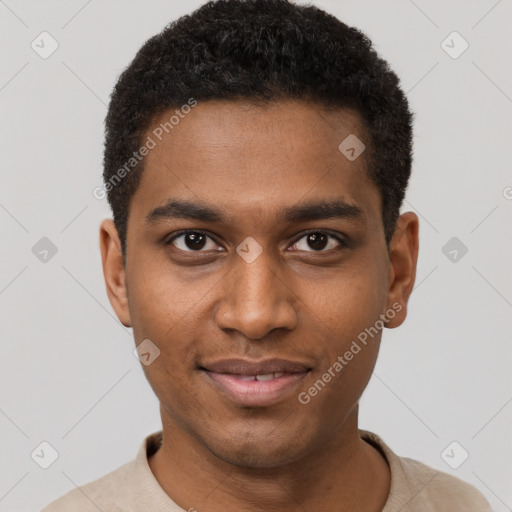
column 113, row 270
column 403, row 257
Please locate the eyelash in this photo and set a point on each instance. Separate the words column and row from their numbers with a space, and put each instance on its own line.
column 342, row 242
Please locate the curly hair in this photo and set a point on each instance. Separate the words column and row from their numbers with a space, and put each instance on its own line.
column 260, row 50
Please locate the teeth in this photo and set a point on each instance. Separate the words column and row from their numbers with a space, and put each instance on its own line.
column 261, row 378
column 268, row 376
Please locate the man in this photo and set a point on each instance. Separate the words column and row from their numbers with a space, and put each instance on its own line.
column 257, row 154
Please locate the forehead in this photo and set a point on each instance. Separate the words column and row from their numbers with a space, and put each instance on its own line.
column 255, row 157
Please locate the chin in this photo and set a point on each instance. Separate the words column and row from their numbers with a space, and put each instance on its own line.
column 252, row 457
column 258, row 452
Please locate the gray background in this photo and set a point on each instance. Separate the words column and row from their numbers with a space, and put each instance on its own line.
column 67, row 372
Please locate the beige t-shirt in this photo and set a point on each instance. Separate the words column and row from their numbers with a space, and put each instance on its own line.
column 133, row 488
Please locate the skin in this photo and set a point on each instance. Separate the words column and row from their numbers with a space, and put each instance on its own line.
column 251, row 161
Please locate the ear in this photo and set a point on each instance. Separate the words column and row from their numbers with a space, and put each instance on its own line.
column 403, row 257
column 113, row 270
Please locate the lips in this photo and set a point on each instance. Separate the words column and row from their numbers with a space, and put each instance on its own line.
column 259, row 383
column 266, row 367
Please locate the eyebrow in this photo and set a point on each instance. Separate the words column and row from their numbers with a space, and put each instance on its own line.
column 178, row 209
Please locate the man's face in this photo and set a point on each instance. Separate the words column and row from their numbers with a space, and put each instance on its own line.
column 319, row 281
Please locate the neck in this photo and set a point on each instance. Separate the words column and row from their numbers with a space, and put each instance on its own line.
column 345, row 473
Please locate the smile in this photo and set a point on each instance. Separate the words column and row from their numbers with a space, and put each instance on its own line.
column 253, row 383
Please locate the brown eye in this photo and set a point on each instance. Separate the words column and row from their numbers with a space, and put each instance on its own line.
column 317, row 241
column 192, row 241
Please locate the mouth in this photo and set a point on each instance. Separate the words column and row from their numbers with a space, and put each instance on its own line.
column 256, row 384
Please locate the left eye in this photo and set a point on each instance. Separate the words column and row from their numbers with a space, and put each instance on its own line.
column 192, row 241
column 318, row 241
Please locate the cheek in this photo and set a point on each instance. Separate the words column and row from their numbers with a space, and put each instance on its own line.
column 169, row 319
column 348, row 315
column 167, row 316
column 351, row 300
column 338, row 386
column 161, row 304
column 351, row 330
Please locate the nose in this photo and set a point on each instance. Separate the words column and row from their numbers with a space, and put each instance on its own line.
column 255, row 300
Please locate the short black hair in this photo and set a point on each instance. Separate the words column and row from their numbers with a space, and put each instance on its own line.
column 259, row 50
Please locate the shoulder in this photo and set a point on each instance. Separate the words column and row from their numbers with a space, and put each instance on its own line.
column 93, row 496
column 436, row 488
column 416, row 487
column 120, row 490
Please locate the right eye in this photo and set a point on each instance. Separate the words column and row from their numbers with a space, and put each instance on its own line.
column 192, row 241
